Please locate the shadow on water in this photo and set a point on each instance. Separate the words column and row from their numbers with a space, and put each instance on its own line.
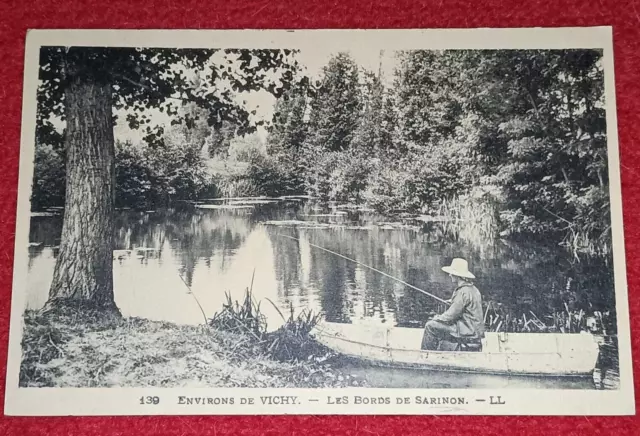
column 217, row 250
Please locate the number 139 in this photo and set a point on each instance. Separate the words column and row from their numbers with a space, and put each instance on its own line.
column 149, row 400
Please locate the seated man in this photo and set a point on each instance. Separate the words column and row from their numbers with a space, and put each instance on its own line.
column 463, row 321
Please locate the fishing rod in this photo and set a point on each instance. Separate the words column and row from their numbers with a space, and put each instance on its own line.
column 372, row 268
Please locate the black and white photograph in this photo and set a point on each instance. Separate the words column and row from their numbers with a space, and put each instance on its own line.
column 353, row 216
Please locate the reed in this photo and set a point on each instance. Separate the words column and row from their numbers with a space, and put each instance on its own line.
column 471, row 220
column 241, row 317
column 291, row 342
column 581, row 242
column 229, row 187
column 565, row 320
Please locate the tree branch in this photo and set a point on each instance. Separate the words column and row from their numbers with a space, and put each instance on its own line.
column 148, row 88
column 533, row 104
column 559, row 217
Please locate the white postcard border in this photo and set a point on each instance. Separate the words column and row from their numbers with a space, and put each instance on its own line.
column 126, row 401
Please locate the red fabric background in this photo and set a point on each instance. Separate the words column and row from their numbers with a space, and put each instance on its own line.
column 21, row 15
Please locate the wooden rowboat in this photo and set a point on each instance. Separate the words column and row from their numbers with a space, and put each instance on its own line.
column 532, row 354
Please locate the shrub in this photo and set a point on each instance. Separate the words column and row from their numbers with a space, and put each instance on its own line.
column 339, row 175
column 266, row 175
column 385, row 188
column 48, row 178
column 134, row 179
column 415, row 183
column 148, row 176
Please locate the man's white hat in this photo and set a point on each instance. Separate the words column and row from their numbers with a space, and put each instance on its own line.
column 459, row 267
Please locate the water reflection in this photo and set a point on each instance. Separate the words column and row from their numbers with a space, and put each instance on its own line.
column 166, row 254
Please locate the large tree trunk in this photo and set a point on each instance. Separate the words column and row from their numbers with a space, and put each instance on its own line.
column 83, row 275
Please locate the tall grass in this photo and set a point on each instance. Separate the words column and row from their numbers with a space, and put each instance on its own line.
column 470, row 220
column 476, row 221
column 237, row 187
column 244, row 317
column 582, row 242
column 290, row 342
column 497, row 318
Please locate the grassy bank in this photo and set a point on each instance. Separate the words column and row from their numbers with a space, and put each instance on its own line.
column 74, row 350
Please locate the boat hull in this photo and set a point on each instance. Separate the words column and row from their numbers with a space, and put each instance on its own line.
column 527, row 354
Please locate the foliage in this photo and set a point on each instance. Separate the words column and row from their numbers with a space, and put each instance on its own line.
column 152, row 177
column 242, row 317
column 236, row 186
column 179, row 167
column 219, row 141
column 385, row 190
column 529, row 123
column 144, row 78
column 134, row 178
column 470, row 218
column 288, row 129
column 272, row 177
column 371, row 133
column 502, row 319
column 145, row 177
column 292, row 341
column 339, row 176
column 307, row 151
column 245, row 148
column 335, row 110
column 48, row 177
column 416, row 182
column 555, row 166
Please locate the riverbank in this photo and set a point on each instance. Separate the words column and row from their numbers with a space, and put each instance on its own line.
column 73, row 350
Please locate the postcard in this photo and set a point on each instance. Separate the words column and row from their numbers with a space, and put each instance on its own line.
column 319, row 222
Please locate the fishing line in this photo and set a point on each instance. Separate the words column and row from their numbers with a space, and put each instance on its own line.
column 204, row 315
column 371, row 268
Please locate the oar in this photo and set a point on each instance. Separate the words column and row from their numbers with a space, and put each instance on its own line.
column 373, row 269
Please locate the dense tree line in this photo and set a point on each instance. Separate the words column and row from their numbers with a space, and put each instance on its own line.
column 146, row 177
column 521, row 130
column 154, row 174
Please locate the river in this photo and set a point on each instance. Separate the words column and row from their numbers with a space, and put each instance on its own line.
column 186, row 254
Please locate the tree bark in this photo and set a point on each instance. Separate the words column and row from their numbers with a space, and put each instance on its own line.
column 83, row 274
